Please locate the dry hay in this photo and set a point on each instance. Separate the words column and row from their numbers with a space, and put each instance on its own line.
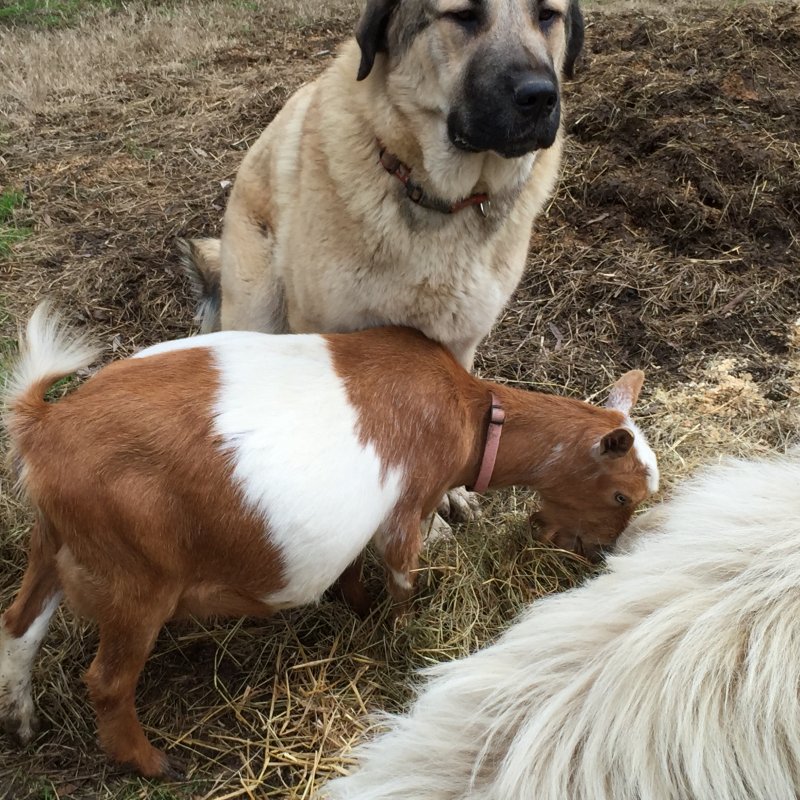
column 672, row 245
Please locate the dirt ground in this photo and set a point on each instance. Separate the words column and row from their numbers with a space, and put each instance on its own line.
column 673, row 245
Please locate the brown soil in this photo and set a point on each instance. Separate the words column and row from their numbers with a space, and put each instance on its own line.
column 675, row 233
column 673, row 245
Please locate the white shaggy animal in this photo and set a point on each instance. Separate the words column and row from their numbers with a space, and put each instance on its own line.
column 675, row 676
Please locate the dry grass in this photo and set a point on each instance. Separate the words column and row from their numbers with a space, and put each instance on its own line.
column 672, row 245
column 69, row 66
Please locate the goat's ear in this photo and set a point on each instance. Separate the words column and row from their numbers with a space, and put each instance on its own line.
column 371, row 32
column 625, row 391
column 615, row 444
column 575, row 34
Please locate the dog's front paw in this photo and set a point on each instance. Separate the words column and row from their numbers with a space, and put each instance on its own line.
column 435, row 528
column 459, row 505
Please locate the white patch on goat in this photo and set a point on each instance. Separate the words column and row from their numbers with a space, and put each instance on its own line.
column 645, row 455
column 16, row 661
column 401, row 579
column 284, row 418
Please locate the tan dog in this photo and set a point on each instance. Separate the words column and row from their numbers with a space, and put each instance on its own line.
column 401, row 185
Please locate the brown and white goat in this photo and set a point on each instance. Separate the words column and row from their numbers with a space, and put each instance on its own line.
column 239, row 473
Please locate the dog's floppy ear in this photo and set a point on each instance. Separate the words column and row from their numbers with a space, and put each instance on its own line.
column 575, row 32
column 371, row 32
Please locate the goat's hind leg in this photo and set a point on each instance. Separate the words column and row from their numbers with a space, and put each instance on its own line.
column 129, row 624
column 22, row 630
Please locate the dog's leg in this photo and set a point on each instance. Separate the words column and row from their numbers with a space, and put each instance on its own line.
column 459, row 505
column 433, row 527
column 253, row 295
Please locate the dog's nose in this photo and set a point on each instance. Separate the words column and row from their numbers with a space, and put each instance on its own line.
column 536, row 96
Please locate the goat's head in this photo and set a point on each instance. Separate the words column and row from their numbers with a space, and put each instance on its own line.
column 598, row 477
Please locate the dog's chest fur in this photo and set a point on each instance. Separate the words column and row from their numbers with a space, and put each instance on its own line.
column 450, row 281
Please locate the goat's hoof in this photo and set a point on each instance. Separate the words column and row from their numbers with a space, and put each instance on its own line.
column 18, row 720
column 154, row 764
column 174, row 770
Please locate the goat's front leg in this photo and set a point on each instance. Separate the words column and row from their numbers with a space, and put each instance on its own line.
column 400, row 542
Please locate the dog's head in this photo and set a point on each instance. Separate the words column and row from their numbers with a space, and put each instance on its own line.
column 489, row 69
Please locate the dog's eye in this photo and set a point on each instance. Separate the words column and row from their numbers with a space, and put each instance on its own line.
column 467, row 17
column 547, row 15
column 620, row 498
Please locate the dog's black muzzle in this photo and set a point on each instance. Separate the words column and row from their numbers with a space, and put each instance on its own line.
column 515, row 115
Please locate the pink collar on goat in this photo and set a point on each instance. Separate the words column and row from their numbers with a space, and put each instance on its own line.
column 496, row 419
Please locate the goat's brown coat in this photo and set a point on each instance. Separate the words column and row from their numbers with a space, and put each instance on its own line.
column 441, row 445
column 141, row 520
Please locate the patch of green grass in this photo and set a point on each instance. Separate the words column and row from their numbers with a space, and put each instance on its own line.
column 49, row 792
column 8, row 345
column 9, row 200
column 10, row 235
column 50, row 13
column 139, row 151
column 10, row 232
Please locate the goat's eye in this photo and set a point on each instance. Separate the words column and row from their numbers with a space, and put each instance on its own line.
column 467, row 17
column 620, row 498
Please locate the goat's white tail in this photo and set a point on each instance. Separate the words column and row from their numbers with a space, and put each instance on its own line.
column 49, row 350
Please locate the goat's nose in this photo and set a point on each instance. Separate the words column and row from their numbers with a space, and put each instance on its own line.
column 536, row 96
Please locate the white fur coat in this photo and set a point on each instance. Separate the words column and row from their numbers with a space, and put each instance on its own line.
column 674, row 676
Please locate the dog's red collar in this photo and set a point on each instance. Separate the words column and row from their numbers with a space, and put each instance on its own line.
column 416, row 194
column 497, row 416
